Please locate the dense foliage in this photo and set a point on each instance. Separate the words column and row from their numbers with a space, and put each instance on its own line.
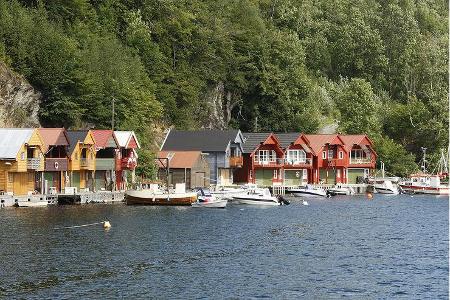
column 365, row 66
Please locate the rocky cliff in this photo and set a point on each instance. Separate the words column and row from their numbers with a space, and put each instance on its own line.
column 19, row 101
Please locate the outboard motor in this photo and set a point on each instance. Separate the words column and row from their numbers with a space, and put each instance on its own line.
column 283, row 201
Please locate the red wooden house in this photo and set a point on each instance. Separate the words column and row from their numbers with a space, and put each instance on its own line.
column 330, row 160
column 263, row 160
column 361, row 156
column 298, row 158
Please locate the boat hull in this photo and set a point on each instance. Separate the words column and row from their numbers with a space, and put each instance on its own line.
column 250, row 201
column 212, row 204
column 386, row 191
column 308, row 194
column 426, row 190
column 148, row 198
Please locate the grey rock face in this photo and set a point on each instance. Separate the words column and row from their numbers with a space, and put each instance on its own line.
column 19, row 101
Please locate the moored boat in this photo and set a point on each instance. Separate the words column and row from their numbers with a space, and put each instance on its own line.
column 340, row 190
column 385, row 187
column 205, row 199
column 424, row 184
column 149, row 197
column 307, row 191
column 257, row 197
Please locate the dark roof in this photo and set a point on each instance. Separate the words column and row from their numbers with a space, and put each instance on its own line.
column 253, row 139
column 75, row 136
column 200, row 140
column 287, row 138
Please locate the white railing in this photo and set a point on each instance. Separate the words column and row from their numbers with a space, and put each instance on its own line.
column 358, row 161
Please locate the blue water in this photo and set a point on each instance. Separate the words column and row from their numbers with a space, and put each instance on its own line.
column 393, row 247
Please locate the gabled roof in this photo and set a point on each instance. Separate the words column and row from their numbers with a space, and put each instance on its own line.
column 53, row 137
column 317, row 141
column 286, row 139
column 74, row 137
column 199, row 140
column 102, row 137
column 253, row 139
column 180, row 159
column 123, row 138
column 12, row 140
column 355, row 139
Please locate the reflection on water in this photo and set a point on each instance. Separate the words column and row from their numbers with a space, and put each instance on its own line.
column 389, row 247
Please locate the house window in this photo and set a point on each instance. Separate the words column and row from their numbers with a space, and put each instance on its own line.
column 341, row 155
column 296, row 156
column 275, row 174
column 22, row 156
column 324, row 155
column 250, row 175
column 330, row 154
column 262, row 156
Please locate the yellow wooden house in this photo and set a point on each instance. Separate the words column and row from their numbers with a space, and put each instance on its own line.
column 21, row 161
column 81, row 159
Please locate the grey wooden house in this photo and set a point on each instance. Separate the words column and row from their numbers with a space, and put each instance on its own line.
column 222, row 149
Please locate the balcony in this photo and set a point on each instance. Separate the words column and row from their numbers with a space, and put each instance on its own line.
column 86, row 163
column 272, row 163
column 33, row 163
column 362, row 162
column 56, row 164
column 105, row 163
column 335, row 162
column 236, row 161
column 307, row 163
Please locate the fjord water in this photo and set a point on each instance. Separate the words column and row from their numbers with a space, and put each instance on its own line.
column 389, row 247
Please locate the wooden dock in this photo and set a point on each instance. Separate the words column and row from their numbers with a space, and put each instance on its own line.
column 50, row 199
column 358, row 188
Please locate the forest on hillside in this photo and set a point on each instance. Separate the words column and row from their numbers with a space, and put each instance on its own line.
column 366, row 66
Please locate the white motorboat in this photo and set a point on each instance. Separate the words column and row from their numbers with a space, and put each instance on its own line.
column 229, row 192
column 340, row 190
column 205, row 199
column 308, row 191
column 424, row 184
column 385, row 187
column 258, row 197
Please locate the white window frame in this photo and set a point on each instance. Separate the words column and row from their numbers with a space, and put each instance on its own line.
column 341, row 154
column 262, row 156
column 251, row 174
column 296, row 156
column 330, row 151
column 22, row 156
column 275, row 174
column 324, row 155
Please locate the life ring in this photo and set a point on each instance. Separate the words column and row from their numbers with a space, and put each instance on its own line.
column 56, row 165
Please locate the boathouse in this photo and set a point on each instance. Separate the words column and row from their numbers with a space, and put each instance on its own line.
column 56, row 160
column 298, row 159
column 81, row 159
column 106, row 150
column 189, row 167
column 331, row 159
column 126, row 158
column 21, row 161
column 222, row 149
column 263, row 160
column 361, row 157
